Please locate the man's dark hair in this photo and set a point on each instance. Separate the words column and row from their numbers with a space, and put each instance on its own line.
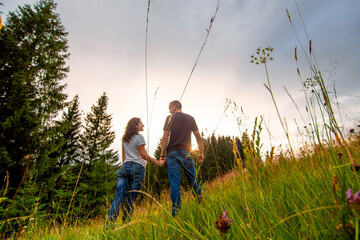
column 177, row 104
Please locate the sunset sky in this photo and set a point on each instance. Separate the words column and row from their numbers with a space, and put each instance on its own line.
column 107, row 47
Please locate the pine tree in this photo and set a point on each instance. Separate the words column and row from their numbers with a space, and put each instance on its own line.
column 72, row 121
column 33, row 50
column 101, row 162
column 70, row 160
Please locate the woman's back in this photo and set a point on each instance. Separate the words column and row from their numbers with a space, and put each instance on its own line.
column 131, row 149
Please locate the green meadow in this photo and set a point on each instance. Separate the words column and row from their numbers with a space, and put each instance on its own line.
column 281, row 199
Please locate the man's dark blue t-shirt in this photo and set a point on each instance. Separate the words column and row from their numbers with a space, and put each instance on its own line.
column 180, row 126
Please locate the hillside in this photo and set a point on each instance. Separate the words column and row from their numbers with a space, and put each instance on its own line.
column 286, row 199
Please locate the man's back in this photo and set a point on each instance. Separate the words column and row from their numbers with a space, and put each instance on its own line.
column 181, row 126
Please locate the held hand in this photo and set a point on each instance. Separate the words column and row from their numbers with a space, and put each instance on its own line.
column 163, row 158
column 201, row 158
column 161, row 162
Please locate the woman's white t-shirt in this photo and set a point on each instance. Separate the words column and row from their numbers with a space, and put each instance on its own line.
column 132, row 153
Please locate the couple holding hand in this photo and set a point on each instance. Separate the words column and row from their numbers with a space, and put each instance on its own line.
column 176, row 143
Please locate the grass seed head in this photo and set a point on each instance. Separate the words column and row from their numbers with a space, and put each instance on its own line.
column 287, row 11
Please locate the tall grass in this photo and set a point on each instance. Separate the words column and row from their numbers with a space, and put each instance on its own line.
column 288, row 200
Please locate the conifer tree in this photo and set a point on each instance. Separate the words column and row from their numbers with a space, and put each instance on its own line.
column 72, row 133
column 70, row 160
column 33, row 50
column 101, row 161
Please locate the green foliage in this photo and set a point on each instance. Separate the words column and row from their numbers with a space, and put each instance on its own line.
column 33, row 50
column 100, row 168
column 69, row 161
column 72, row 133
column 299, row 199
column 40, row 152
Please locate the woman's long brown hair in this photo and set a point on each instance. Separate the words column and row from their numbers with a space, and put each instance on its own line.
column 130, row 129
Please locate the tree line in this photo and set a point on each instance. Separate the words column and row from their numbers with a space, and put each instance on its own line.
column 56, row 163
column 53, row 163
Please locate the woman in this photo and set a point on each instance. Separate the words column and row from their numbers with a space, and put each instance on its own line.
column 131, row 175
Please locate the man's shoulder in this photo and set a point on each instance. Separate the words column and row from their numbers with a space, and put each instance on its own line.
column 185, row 115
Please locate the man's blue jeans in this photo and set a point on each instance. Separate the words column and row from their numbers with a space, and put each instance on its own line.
column 175, row 159
column 129, row 181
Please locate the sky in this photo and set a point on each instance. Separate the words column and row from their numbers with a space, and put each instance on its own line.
column 107, row 46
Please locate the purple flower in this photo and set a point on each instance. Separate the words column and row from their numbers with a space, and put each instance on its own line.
column 352, row 130
column 223, row 223
column 349, row 194
column 353, row 201
column 357, row 196
column 356, row 166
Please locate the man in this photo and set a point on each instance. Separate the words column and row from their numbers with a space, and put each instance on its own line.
column 176, row 142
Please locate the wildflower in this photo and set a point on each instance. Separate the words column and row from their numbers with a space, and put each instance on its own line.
column 223, row 223
column 264, row 55
column 352, row 200
column 352, row 130
column 356, row 166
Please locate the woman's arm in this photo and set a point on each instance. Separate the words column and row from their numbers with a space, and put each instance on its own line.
column 145, row 156
column 123, row 154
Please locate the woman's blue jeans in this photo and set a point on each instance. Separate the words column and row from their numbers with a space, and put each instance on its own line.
column 175, row 159
column 129, row 181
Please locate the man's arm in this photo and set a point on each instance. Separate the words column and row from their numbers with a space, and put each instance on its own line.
column 200, row 145
column 164, row 143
